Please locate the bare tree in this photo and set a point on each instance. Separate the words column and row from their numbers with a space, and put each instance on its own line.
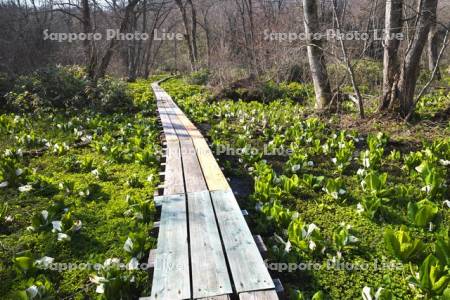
column 433, row 75
column 112, row 43
column 205, row 9
column 316, row 56
column 348, row 65
column 160, row 13
column 188, row 33
column 434, row 39
column 194, row 29
column 402, row 98
column 89, row 45
column 393, row 26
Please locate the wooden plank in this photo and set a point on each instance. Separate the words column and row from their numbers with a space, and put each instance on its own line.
column 173, row 181
column 211, row 170
column 177, row 124
column 215, row 179
column 222, row 297
column 259, row 295
column 260, row 244
column 168, row 129
column 279, row 288
column 151, row 258
column 247, row 267
column 208, row 266
column 158, row 200
column 190, row 127
column 193, row 175
column 171, row 273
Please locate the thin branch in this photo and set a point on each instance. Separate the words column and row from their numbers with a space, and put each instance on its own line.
column 349, row 66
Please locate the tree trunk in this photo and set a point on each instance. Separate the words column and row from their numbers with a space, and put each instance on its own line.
column 149, row 53
column 194, row 30
column 89, row 50
column 110, row 51
column 208, row 39
column 316, row 57
column 187, row 33
column 403, row 99
column 133, row 48
column 255, row 55
column 434, row 39
column 393, row 25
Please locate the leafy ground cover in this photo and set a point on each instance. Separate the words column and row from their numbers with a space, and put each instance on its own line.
column 353, row 213
column 77, row 188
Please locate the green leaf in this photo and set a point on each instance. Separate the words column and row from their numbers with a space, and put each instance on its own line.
column 443, row 251
column 422, row 212
column 21, row 295
column 318, row 296
column 24, row 263
column 401, row 245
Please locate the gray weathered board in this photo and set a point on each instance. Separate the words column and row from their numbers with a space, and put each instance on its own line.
column 173, row 177
column 260, row 295
column 247, row 266
column 171, row 275
column 209, row 270
column 193, row 175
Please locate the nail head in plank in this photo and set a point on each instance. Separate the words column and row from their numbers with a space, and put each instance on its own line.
column 209, row 270
column 171, row 273
column 240, row 246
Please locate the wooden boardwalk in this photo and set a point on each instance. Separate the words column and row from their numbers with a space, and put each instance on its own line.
column 205, row 248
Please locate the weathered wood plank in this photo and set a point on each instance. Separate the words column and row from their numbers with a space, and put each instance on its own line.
column 173, row 181
column 211, row 170
column 193, row 175
column 260, row 244
column 158, row 200
column 171, row 273
column 208, row 267
column 190, row 127
column 166, row 123
column 177, row 124
column 222, row 297
column 247, row 267
column 215, row 179
column 259, row 295
column 152, row 258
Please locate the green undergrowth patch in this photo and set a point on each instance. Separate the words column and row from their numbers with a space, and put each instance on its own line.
column 346, row 214
column 76, row 200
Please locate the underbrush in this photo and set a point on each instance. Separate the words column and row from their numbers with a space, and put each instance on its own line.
column 251, row 89
column 356, row 215
column 368, row 73
column 76, row 199
column 66, row 88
